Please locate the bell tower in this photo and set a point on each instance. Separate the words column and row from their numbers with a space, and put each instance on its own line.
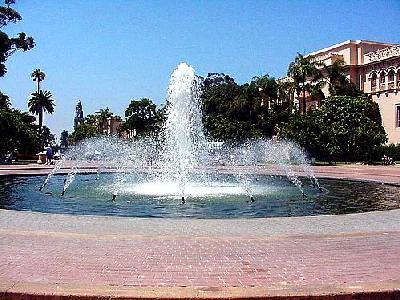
column 78, row 115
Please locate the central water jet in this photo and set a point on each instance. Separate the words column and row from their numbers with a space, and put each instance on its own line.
column 185, row 143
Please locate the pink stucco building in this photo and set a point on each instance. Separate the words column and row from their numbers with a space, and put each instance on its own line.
column 374, row 67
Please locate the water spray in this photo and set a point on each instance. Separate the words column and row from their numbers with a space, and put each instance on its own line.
column 69, row 179
column 56, row 168
column 63, row 191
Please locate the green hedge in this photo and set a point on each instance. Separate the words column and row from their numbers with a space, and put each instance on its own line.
column 390, row 150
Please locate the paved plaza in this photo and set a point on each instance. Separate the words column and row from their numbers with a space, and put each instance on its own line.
column 49, row 254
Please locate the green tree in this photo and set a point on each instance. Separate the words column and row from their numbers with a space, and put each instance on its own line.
column 83, row 131
column 88, row 128
column 4, row 101
column 38, row 76
column 91, row 120
column 236, row 112
column 64, row 139
column 338, row 83
column 40, row 102
column 102, row 116
column 142, row 116
column 47, row 137
column 219, row 101
column 306, row 78
column 17, row 132
column 9, row 46
column 274, row 104
column 268, row 88
column 345, row 128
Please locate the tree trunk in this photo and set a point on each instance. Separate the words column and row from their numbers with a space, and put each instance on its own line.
column 304, row 99
column 38, row 85
column 40, row 120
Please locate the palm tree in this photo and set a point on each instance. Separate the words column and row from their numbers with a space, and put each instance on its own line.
column 286, row 90
column 38, row 76
column 338, row 83
column 304, row 73
column 40, row 102
column 268, row 88
column 102, row 117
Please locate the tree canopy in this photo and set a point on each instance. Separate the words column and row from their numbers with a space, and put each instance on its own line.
column 17, row 131
column 344, row 127
column 4, row 101
column 306, row 77
column 338, row 83
column 237, row 112
column 64, row 139
column 142, row 115
column 40, row 102
column 9, row 45
column 38, row 76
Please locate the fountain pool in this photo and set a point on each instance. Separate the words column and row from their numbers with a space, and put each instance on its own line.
column 179, row 173
column 274, row 196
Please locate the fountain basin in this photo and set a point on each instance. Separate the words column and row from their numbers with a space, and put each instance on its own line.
column 274, row 196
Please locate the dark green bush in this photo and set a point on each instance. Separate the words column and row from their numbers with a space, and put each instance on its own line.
column 390, row 150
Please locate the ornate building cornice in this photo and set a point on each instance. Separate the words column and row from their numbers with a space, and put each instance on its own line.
column 377, row 66
column 382, row 54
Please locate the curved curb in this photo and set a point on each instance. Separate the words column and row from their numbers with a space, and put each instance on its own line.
column 378, row 291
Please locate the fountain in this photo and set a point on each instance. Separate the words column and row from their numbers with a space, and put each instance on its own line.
column 181, row 165
column 181, row 173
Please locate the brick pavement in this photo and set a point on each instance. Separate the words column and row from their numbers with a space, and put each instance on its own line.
column 182, row 258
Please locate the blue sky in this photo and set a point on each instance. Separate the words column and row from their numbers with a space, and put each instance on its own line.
column 109, row 52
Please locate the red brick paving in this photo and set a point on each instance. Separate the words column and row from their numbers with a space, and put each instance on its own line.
column 200, row 262
column 69, row 255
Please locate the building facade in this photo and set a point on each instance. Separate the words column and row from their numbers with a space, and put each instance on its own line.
column 374, row 68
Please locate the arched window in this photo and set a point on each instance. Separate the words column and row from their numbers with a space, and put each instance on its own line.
column 391, row 76
column 398, row 79
column 382, row 77
column 391, row 83
column 373, row 81
column 382, row 80
column 397, row 115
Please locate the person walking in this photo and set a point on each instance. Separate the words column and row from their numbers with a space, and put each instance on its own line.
column 49, row 155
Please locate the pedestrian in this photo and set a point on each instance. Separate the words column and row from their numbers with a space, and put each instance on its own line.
column 49, row 155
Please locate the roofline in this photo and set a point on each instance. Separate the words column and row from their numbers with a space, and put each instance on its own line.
column 357, row 42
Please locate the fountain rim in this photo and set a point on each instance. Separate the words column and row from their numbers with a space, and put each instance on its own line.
column 92, row 170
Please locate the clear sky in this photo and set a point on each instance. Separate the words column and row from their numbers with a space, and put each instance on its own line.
column 109, row 52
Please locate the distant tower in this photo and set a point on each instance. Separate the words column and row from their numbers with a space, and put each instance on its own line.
column 78, row 120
